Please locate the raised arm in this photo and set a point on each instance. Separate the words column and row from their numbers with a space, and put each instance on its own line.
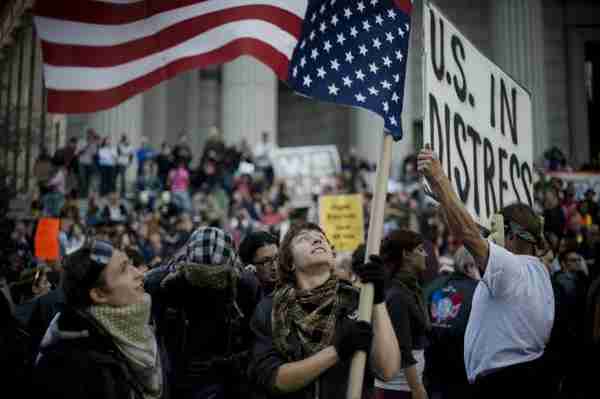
column 460, row 223
column 385, row 353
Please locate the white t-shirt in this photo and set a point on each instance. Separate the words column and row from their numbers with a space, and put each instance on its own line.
column 107, row 156
column 124, row 154
column 511, row 315
column 87, row 154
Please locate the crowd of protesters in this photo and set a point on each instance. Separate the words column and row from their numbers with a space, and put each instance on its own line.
column 200, row 280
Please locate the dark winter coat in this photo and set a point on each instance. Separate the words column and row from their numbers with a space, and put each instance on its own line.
column 75, row 364
column 266, row 360
column 205, row 346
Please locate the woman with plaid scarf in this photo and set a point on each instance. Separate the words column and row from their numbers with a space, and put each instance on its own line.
column 306, row 331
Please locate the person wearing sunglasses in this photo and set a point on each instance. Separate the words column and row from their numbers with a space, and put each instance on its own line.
column 101, row 344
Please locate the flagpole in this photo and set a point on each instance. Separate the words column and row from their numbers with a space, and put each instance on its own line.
column 365, row 307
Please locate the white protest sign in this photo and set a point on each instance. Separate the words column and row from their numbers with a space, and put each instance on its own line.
column 306, row 169
column 478, row 121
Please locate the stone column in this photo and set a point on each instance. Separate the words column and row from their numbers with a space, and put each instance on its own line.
column 248, row 101
column 208, row 107
column 579, row 139
column 154, row 119
column 192, row 107
column 366, row 129
column 126, row 118
column 517, row 30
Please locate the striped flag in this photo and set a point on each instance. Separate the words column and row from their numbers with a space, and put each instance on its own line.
column 98, row 54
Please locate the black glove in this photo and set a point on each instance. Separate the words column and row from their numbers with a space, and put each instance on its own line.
column 353, row 336
column 373, row 272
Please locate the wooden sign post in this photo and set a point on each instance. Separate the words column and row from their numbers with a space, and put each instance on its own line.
column 365, row 307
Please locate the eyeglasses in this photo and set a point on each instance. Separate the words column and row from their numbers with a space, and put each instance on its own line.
column 267, row 261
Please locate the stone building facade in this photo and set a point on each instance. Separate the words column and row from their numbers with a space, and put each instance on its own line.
column 543, row 44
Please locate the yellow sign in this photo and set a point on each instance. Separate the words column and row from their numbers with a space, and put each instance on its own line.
column 341, row 217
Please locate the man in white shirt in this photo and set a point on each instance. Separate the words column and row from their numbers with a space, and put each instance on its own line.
column 513, row 305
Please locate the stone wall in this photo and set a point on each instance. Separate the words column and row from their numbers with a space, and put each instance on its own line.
column 303, row 121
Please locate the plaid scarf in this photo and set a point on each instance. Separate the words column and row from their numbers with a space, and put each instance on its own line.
column 130, row 329
column 409, row 281
column 308, row 315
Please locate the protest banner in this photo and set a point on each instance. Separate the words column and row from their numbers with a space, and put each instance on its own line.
column 342, row 219
column 477, row 119
column 305, row 170
column 46, row 245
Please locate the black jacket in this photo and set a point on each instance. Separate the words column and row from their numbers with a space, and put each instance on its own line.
column 266, row 359
column 45, row 308
column 207, row 337
column 73, row 364
column 16, row 353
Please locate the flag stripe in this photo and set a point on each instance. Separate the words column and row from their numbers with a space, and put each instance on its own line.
column 139, row 18
column 404, row 5
column 77, row 78
column 79, row 101
column 90, row 56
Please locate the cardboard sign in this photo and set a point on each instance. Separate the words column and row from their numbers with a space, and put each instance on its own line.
column 477, row 119
column 342, row 219
column 305, row 170
column 46, row 239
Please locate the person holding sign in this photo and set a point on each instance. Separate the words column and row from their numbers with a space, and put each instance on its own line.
column 513, row 306
column 306, row 332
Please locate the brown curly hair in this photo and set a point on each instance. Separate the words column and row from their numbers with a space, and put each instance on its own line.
column 286, row 259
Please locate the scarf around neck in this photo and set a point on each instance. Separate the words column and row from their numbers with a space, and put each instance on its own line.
column 130, row 329
column 308, row 315
column 409, row 281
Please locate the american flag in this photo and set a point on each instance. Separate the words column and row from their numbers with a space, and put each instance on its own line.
column 354, row 53
column 98, row 54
